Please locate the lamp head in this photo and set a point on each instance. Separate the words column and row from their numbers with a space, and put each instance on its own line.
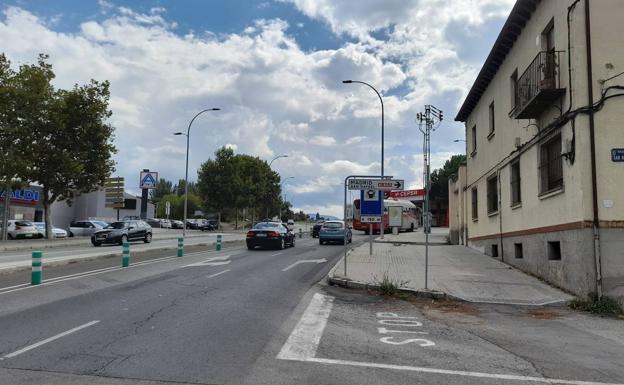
column 178, row 133
column 347, row 81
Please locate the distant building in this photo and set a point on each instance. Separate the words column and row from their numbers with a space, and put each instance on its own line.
column 542, row 188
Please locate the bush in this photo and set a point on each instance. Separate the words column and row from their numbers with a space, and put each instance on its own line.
column 388, row 286
column 602, row 306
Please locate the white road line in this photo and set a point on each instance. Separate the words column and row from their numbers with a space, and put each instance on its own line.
column 304, row 339
column 214, row 261
column 43, row 342
column 322, row 260
column 276, row 254
column 215, row 274
column 510, row 377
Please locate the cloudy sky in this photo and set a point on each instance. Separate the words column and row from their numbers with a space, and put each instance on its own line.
column 275, row 69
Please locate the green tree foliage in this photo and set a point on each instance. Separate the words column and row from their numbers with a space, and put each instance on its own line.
column 163, row 187
column 177, row 205
column 440, row 177
column 230, row 183
column 62, row 137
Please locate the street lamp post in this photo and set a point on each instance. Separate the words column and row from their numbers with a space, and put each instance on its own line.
column 382, row 146
column 188, row 133
column 281, row 184
column 270, row 163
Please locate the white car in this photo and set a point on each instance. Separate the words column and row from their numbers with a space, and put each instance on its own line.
column 58, row 233
column 165, row 223
column 22, row 229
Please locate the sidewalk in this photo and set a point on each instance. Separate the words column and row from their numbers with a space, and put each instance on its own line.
column 458, row 271
column 438, row 237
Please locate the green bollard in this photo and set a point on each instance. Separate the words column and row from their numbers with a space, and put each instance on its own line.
column 180, row 247
column 125, row 256
column 219, row 242
column 300, row 233
column 36, row 275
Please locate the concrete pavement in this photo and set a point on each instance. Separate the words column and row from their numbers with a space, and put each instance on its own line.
column 455, row 270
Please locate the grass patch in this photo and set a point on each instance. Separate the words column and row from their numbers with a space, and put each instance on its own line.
column 388, row 286
column 603, row 306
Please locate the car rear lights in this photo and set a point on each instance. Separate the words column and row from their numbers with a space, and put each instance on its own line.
column 250, row 234
column 18, row 227
column 273, row 234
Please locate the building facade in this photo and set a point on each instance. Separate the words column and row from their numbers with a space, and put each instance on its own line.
column 543, row 179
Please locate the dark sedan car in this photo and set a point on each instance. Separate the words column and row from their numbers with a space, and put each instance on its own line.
column 270, row 234
column 120, row 232
column 316, row 228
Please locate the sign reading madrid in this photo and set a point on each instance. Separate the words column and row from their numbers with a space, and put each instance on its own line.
column 376, row 184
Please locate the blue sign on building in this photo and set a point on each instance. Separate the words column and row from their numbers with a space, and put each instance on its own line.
column 617, row 154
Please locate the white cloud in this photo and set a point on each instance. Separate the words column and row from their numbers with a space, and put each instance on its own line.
column 321, row 140
column 276, row 98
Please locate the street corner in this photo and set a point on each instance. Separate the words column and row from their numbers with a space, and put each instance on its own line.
column 379, row 339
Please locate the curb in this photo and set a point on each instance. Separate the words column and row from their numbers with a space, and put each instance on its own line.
column 15, row 269
column 414, row 243
column 429, row 294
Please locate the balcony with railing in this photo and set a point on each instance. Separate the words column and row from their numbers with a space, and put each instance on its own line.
column 538, row 87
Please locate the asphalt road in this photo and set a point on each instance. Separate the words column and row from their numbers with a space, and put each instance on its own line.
column 265, row 317
column 164, row 320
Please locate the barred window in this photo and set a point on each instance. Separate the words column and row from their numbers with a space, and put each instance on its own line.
column 516, row 193
column 492, row 120
column 474, row 139
column 475, row 207
column 492, row 194
column 551, row 165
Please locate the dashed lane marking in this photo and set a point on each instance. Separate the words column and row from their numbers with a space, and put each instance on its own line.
column 219, row 273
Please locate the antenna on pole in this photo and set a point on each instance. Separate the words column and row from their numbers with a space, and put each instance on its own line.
column 427, row 119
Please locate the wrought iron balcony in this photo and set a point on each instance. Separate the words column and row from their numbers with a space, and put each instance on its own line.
column 538, row 87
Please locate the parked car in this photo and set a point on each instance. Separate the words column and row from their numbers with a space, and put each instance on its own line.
column 17, row 229
column 56, row 232
column 122, row 231
column 192, row 224
column 153, row 222
column 85, row 228
column 316, row 228
column 131, row 218
column 335, row 231
column 177, row 224
column 270, row 234
column 205, row 226
column 165, row 223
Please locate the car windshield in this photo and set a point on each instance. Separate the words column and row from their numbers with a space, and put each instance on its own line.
column 266, row 225
column 23, row 223
column 332, row 225
column 117, row 225
column 101, row 223
column 39, row 225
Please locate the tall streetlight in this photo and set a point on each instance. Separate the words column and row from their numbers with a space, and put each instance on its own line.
column 382, row 144
column 270, row 163
column 277, row 157
column 281, row 184
column 188, row 133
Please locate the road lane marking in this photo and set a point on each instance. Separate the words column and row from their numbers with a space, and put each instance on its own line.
column 215, row 274
column 89, row 273
column 510, row 377
column 43, row 342
column 214, row 261
column 304, row 339
column 276, row 254
column 322, row 260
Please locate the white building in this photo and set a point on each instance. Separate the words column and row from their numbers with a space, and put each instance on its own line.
column 542, row 188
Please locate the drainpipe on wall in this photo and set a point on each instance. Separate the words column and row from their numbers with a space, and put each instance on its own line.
column 592, row 143
column 500, row 216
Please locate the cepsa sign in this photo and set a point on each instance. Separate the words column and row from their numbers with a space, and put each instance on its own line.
column 407, row 193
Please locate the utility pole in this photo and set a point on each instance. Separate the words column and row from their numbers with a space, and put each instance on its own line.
column 431, row 116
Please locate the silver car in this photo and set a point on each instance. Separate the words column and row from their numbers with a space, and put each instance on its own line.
column 22, row 229
column 56, row 232
column 85, row 228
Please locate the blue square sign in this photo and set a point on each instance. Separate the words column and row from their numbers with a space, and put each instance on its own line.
column 371, row 203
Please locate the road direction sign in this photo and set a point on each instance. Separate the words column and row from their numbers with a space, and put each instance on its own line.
column 114, row 193
column 370, row 207
column 376, row 184
column 167, row 208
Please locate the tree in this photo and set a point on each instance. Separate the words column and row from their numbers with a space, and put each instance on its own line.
column 163, row 187
column 232, row 183
column 65, row 138
column 439, row 181
column 177, row 205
